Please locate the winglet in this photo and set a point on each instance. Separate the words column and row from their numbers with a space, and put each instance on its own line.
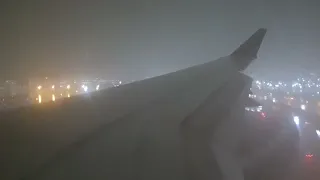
column 247, row 51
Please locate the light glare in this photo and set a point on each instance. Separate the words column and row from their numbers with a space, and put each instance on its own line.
column 39, row 99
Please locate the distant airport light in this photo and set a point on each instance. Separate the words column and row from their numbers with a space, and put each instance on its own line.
column 296, row 120
column 259, row 108
column 318, row 133
column 85, row 88
column 303, row 107
column 39, row 87
column 309, row 155
column 39, row 99
column 98, row 86
column 68, row 95
column 53, row 97
column 120, row 82
column 68, row 86
column 52, row 86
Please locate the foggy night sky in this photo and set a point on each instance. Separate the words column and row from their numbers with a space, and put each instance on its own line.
column 138, row 38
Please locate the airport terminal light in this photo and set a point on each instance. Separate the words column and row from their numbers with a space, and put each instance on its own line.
column 53, row 97
column 68, row 95
column 52, row 86
column 68, row 86
column 98, row 86
column 303, row 107
column 39, row 87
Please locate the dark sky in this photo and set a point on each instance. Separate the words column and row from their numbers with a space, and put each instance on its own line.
column 139, row 38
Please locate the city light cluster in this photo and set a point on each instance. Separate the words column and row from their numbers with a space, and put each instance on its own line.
column 301, row 93
column 299, row 85
column 47, row 91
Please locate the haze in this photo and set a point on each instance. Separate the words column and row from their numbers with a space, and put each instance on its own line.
column 136, row 39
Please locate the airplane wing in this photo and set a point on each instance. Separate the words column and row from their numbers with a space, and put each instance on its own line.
column 135, row 131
